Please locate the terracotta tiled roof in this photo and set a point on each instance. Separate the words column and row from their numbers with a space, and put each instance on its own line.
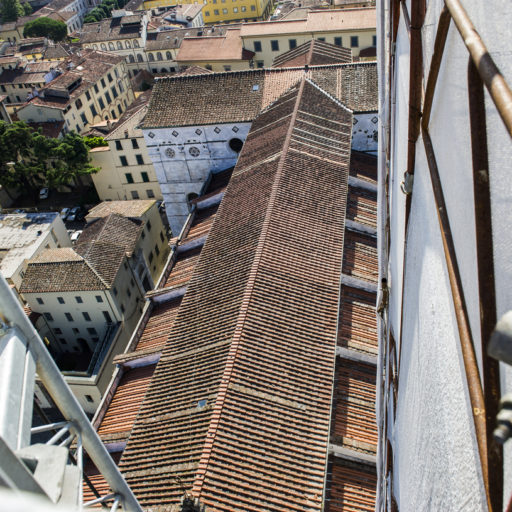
column 354, row 424
column 239, row 405
column 183, row 268
column 351, row 487
column 132, row 208
column 358, row 322
column 105, row 243
column 117, row 423
column 360, row 256
column 218, row 96
column 363, row 166
column 195, row 70
column 110, row 29
column 316, row 21
column 32, row 73
column 96, row 479
column 313, row 53
column 54, row 273
column 225, row 48
column 362, row 206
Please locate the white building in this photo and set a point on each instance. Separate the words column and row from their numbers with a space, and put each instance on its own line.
column 25, row 235
column 197, row 124
column 444, row 250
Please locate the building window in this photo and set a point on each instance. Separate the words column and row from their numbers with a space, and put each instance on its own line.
column 224, row 11
column 128, row 292
column 39, row 300
column 374, row 40
column 274, row 45
column 122, row 308
column 227, row 68
column 124, row 163
column 151, row 257
column 68, row 316
column 57, row 330
column 135, row 144
column 102, row 105
column 86, row 316
column 151, row 58
column 150, row 193
column 91, row 330
column 111, row 46
column 99, row 298
column 321, row 39
column 89, row 398
column 107, row 317
column 48, row 317
column 119, row 109
column 114, row 91
column 157, row 250
column 63, row 341
column 119, row 45
column 337, row 41
column 79, row 299
column 216, row 12
column 139, row 58
column 119, row 145
column 253, row 7
column 140, row 161
column 148, row 225
column 76, row 330
column 235, row 9
column 96, row 90
column 135, row 194
column 78, row 103
column 103, row 84
column 88, row 95
column 243, row 8
column 292, row 43
column 60, row 300
column 354, row 41
column 162, row 237
column 260, row 64
column 109, row 76
column 93, row 111
column 108, row 98
column 84, row 118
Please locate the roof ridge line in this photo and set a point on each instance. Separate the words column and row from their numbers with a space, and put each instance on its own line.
column 246, row 299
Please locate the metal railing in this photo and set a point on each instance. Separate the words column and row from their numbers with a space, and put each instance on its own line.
column 24, row 354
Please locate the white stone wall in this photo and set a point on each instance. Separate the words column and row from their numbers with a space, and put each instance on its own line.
column 183, row 158
column 365, row 133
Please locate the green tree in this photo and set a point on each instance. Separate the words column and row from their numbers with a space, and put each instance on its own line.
column 95, row 142
column 46, row 27
column 10, row 10
column 27, row 9
column 30, row 160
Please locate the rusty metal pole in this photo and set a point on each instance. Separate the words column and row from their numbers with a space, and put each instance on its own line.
column 476, row 395
column 486, row 277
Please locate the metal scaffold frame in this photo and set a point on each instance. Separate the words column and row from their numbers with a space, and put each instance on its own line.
column 24, row 354
column 482, row 72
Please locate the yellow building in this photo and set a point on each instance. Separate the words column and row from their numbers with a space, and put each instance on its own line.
column 221, row 11
column 216, row 53
column 94, row 87
column 127, row 171
column 351, row 28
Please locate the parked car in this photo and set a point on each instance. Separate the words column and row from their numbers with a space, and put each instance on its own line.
column 44, row 193
column 73, row 213
column 64, row 213
column 75, row 235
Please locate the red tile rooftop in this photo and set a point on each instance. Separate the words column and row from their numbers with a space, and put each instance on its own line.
column 358, row 321
column 183, row 268
column 354, row 424
column 123, row 408
column 351, row 487
column 238, row 409
column 363, row 166
column 360, row 256
column 203, row 220
column 362, row 206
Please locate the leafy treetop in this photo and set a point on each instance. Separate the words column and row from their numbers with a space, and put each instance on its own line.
column 30, row 160
column 46, row 27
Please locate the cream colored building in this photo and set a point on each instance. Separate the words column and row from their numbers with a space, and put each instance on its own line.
column 127, row 171
column 94, row 87
column 351, row 28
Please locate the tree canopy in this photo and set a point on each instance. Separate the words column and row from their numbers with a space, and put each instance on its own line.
column 103, row 10
column 46, row 27
column 30, row 160
column 10, row 10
